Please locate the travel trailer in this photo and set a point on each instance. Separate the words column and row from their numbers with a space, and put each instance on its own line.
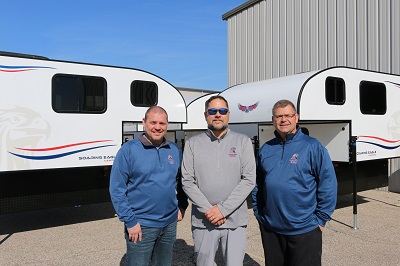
column 354, row 113
column 196, row 121
column 62, row 123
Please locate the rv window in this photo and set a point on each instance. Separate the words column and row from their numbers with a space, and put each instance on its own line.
column 372, row 98
column 144, row 93
column 335, row 91
column 78, row 94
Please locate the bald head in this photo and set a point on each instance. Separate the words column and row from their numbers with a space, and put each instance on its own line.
column 155, row 110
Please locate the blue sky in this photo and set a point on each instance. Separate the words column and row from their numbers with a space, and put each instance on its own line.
column 184, row 42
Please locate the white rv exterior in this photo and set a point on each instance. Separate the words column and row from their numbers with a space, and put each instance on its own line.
column 377, row 128
column 195, row 111
column 34, row 136
column 354, row 113
column 62, row 123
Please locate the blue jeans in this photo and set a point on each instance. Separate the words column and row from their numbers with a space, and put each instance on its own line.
column 156, row 246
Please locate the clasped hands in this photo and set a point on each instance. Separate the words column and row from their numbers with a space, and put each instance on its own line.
column 215, row 216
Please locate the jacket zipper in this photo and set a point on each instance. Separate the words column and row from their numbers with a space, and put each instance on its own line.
column 219, row 152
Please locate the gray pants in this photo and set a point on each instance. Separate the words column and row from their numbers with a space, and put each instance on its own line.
column 233, row 245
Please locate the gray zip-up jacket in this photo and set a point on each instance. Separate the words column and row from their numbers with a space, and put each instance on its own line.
column 219, row 171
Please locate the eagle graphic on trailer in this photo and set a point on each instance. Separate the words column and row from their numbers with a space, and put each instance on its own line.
column 336, row 105
column 354, row 113
column 63, row 122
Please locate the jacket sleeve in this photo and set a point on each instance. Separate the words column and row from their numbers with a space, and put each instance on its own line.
column 189, row 183
column 257, row 194
column 326, row 185
column 246, row 184
column 118, row 189
column 180, row 194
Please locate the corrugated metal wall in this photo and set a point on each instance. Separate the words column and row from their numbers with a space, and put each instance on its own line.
column 274, row 38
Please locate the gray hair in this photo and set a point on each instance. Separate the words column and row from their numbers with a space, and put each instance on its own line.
column 282, row 104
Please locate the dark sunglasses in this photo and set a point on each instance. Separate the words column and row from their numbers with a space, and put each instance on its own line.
column 213, row 111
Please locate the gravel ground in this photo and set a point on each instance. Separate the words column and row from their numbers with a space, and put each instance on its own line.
column 93, row 235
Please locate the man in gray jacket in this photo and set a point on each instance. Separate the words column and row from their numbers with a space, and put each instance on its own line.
column 218, row 173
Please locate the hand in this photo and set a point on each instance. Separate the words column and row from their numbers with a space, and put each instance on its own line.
column 135, row 233
column 321, row 227
column 215, row 216
column 181, row 214
column 220, row 222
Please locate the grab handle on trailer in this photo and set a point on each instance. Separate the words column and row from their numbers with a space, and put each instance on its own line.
column 353, row 153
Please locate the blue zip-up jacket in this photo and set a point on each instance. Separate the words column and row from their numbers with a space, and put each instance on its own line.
column 143, row 183
column 296, row 186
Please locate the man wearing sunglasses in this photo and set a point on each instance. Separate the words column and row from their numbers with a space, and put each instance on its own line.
column 218, row 173
column 295, row 194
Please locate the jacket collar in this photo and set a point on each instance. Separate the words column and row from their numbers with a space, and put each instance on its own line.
column 211, row 135
column 289, row 137
column 147, row 143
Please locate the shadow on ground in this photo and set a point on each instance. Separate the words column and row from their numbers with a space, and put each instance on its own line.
column 183, row 256
column 347, row 200
column 32, row 220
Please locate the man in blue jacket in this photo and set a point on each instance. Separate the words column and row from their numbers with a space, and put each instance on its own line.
column 295, row 192
column 144, row 183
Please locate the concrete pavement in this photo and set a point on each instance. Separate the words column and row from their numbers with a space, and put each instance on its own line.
column 93, row 235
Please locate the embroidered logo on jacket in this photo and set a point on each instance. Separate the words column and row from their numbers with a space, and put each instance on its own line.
column 170, row 160
column 294, row 159
column 232, row 152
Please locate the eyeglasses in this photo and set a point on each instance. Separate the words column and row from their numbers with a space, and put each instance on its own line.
column 213, row 111
column 282, row 116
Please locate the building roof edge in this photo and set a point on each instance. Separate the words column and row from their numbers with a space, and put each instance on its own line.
column 238, row 9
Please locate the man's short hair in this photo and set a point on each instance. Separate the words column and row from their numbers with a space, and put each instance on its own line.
column 212, row 98
column 156, row 109
column 282, row 104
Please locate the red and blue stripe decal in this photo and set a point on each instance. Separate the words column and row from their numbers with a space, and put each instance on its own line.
column 60, row 148
column 396, row 84
column 21, row 68
column 385, row 143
